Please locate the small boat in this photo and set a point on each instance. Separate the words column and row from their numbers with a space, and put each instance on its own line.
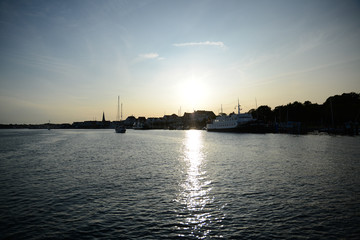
column 120, row 129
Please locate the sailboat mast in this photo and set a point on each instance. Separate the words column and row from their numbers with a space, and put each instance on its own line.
column 117, row 116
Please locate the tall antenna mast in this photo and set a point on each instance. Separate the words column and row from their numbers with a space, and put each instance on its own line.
column 118, row 116
column 121, row 112
column 238, row 107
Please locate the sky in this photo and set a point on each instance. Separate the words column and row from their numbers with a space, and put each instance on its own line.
column 67, row 61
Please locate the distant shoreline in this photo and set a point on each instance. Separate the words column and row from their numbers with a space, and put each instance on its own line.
column 339, row 114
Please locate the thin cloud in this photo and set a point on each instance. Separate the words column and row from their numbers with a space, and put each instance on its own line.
column 311, row 42
column 206, row 43
column 149, row 56
column 49, row 63
column 302, row 71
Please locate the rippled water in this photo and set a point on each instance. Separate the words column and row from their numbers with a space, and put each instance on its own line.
column 68, row 184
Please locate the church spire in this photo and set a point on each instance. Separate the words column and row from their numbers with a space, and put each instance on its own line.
column 103, row 119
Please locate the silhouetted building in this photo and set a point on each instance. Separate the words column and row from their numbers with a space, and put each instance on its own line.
column 197, row 119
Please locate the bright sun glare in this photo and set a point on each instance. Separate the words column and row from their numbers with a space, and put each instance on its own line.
column 192, row 94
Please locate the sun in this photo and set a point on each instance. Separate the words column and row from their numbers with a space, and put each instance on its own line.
column 192, row 93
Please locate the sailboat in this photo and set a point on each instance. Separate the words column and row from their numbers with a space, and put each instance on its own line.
column 119, row 128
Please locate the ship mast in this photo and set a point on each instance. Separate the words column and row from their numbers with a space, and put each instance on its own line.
column 238, row 107
column 118, row 116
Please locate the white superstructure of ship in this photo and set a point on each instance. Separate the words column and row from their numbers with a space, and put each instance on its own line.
column 232, row 122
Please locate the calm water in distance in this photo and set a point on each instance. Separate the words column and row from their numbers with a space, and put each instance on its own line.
column 96, row 184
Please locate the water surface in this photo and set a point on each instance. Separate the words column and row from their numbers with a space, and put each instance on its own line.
column 67, row 184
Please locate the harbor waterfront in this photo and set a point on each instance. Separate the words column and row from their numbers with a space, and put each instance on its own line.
column 192, row 184
column 294, row 118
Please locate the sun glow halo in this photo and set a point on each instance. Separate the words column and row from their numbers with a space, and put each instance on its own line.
column 193, row 94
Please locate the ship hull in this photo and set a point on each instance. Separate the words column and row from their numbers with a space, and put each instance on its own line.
column 251, row 127
column 120, row 129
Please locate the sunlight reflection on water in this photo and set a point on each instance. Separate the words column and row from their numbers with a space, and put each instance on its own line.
column 195, row 190
column 177, row 185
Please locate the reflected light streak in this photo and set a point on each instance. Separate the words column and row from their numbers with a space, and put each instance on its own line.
column 195, row 189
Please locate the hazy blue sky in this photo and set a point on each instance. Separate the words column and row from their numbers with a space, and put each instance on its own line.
column 68, row 61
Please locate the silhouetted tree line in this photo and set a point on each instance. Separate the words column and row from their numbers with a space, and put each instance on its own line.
column 335, row 112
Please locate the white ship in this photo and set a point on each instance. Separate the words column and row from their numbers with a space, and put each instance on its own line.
column 229, row 123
